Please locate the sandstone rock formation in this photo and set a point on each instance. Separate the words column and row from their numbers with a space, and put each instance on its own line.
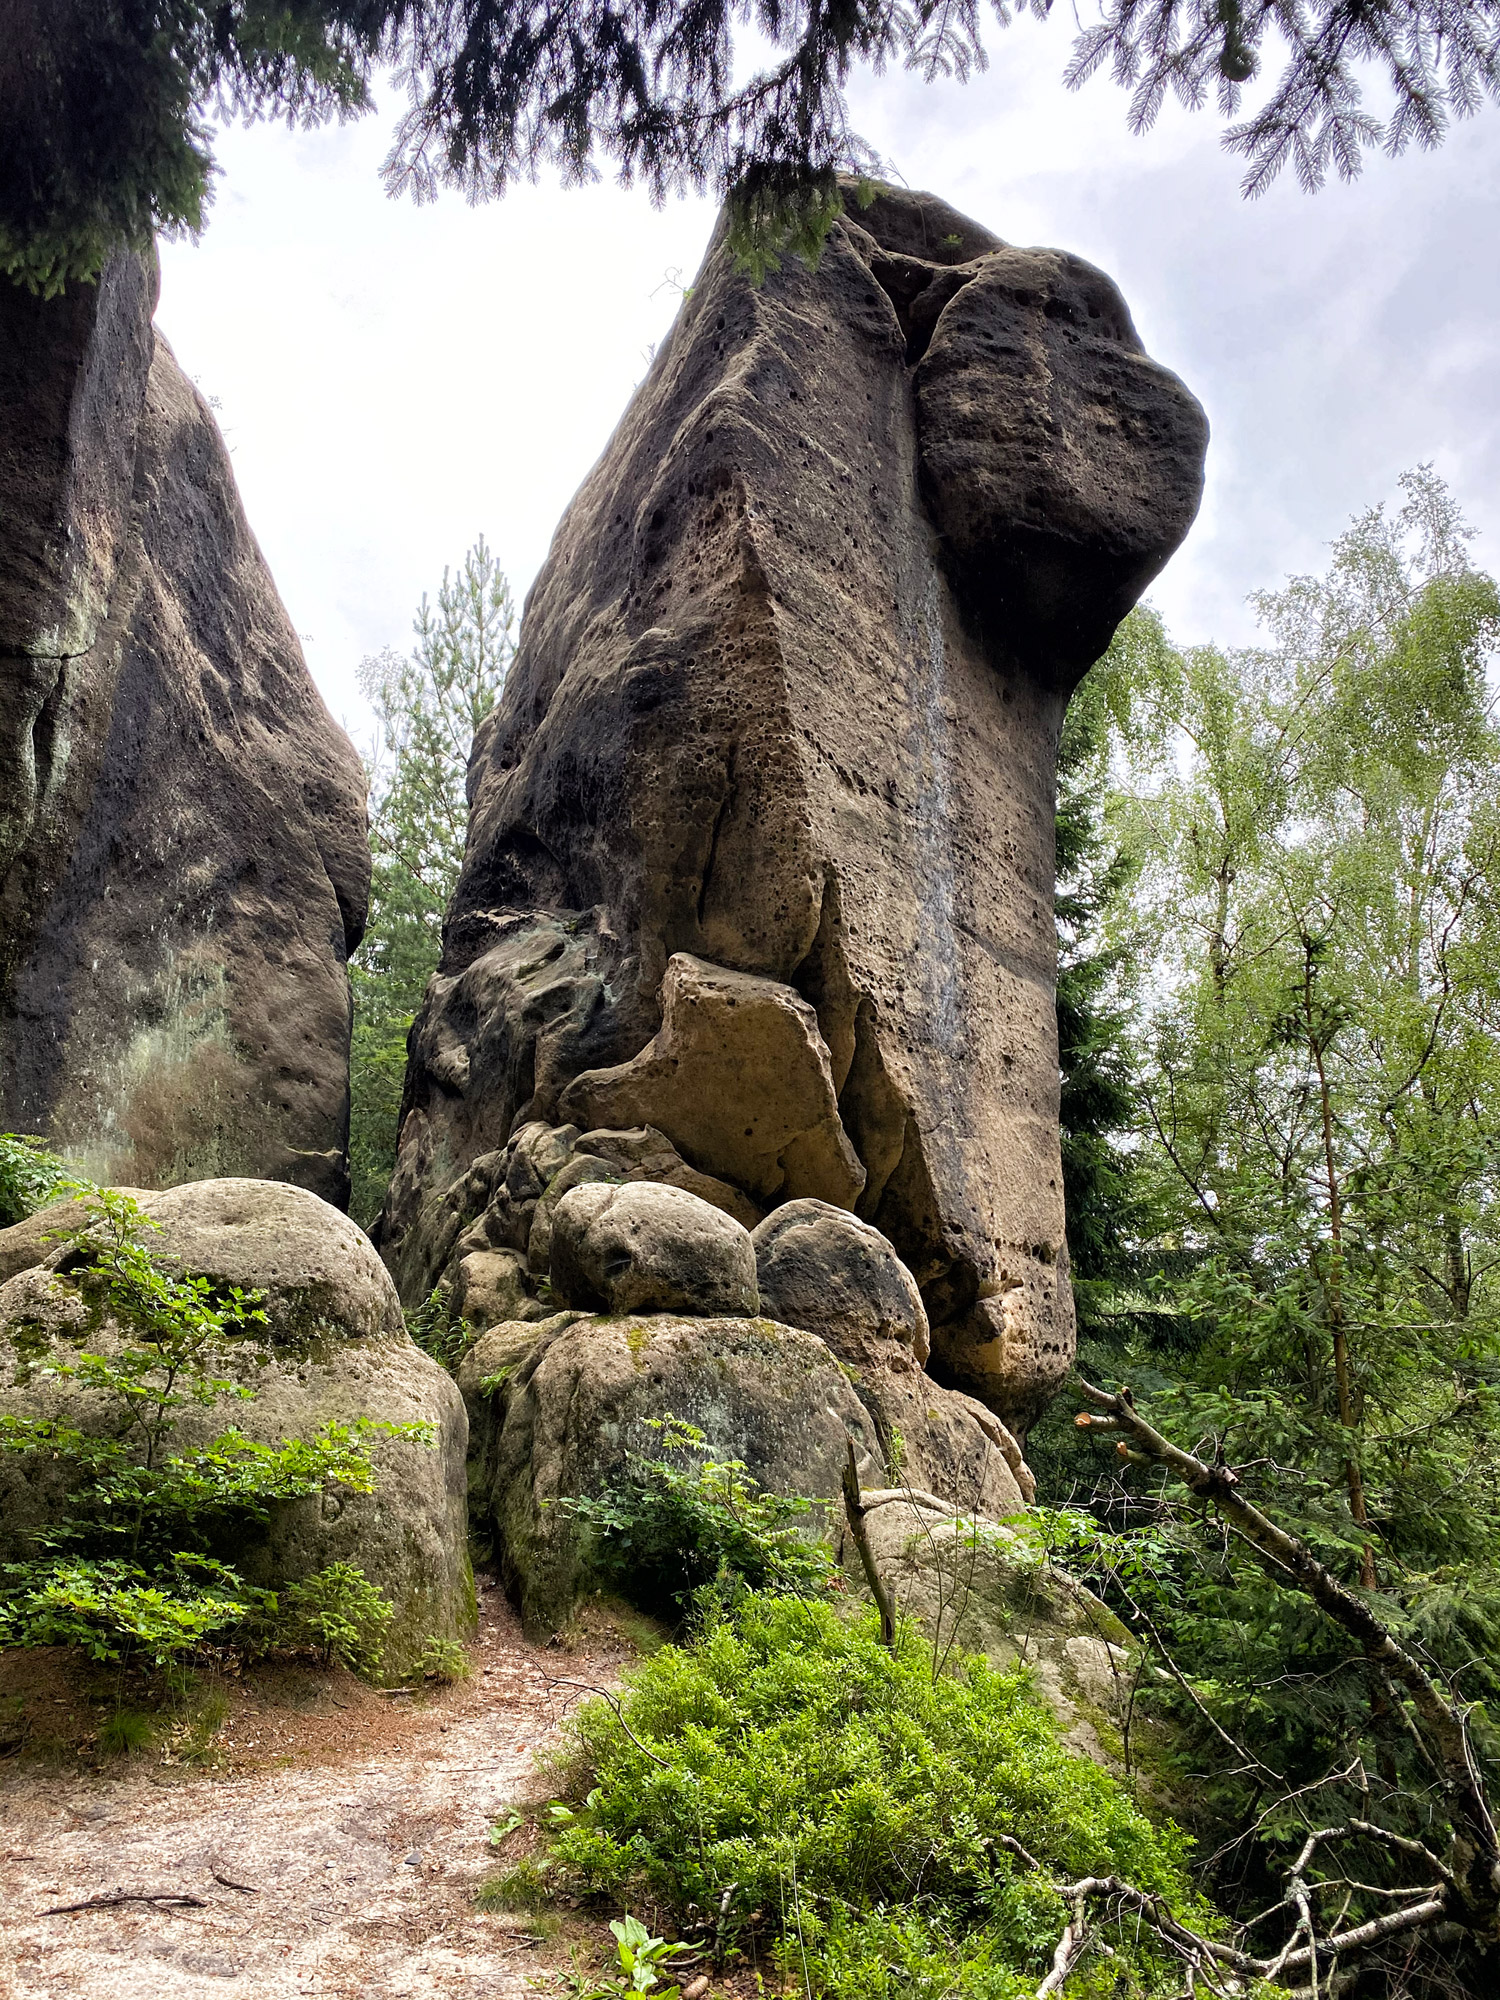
column 183, row 863
column 572, row 1404
column 739, row 1075
column 761, row 853
column 557, row 1406
column 831, row 1274
column 645, row 1249
column 341, row 1352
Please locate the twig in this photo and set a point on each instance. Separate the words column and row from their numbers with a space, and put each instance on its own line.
column 164, row 1899
column 228, row 1881
column 1013, row 1846
column 558, row 1680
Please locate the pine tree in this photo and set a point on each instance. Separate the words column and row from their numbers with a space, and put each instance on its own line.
column 428, row 704
column 104, row 104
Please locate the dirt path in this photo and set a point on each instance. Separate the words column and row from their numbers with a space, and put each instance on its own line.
column 357, row 1828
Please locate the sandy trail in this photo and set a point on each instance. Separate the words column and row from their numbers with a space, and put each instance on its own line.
column 358, row 1868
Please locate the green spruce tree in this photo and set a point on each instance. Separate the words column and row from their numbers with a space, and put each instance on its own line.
column 107, row 106
column 428, row 704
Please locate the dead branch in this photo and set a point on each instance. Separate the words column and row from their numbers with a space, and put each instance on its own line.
column 588, row 1687
column 163, row 1899
column 1288, row 1561
column 228, row 1881
column 856, row 1510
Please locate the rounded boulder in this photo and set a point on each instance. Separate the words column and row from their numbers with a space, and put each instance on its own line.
column 821, row 1268
column 643, row 1247
column 333, row 1349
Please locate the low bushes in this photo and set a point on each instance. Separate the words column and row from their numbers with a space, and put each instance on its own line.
column 878, row 1828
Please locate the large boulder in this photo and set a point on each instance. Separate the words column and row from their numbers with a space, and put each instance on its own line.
column 557, row 1406
column 738, row 1077
column 647, row 1249
column 560, row 1407
column 503, row 1207
column 823, row 1269
column 761, row 850
column 339, row 1351
column 833, row 1275
column 183, row 861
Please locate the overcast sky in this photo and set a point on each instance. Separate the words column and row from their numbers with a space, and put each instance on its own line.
column 394, row 381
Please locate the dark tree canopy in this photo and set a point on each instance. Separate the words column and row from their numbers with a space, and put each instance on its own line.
column 104, row 103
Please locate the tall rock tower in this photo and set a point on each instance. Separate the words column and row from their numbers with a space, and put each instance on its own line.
column 183, row 862
column 761, row 854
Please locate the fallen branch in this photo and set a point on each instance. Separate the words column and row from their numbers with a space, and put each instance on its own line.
column 856, row 1510
column 163, row 1899
column 1289, row 1561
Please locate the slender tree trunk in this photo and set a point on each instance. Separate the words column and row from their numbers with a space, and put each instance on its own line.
column 1343, row 1382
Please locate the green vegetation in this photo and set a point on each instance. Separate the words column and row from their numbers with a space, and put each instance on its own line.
column 138, row 1563
column 1285, row 1198
column 640, row 1958
column 681, row 1532
column 105, row 105
column 442, row 1660
column 341, row 1614
column 30, row 1177
column 853, row 1820
column 428, row 704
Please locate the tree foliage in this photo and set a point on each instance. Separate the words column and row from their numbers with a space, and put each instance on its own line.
column 428, row 704
column 1308, row 1288
column 105, row 135
column 105, row 108
column 141, row 1563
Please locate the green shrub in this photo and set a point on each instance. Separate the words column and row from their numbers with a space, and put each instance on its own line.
column 131, row 1569
column 526, row 1886
column 857, row 1801
column 30, row 1177
column 674, row 1535
column 442, row 1660
column 340, row 1613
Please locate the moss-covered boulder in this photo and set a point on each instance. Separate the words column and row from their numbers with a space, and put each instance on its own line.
column 981, row 1586
column 338, row 1351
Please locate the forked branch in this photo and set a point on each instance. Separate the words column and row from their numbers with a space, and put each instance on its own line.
column 1468, row 1885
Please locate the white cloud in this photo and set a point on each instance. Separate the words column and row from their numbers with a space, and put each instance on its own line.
column 394, row 380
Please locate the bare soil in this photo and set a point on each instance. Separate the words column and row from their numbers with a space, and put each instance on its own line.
column 330, row 1838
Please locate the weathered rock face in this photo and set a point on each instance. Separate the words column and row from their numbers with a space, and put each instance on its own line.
column 556, row 1408
column 183, row 863
column 739, row 1075
column 651, row 1249
column 761, row 853
column 340, row 1351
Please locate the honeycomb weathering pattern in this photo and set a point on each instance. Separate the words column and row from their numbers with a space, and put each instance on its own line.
column 787, row 700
